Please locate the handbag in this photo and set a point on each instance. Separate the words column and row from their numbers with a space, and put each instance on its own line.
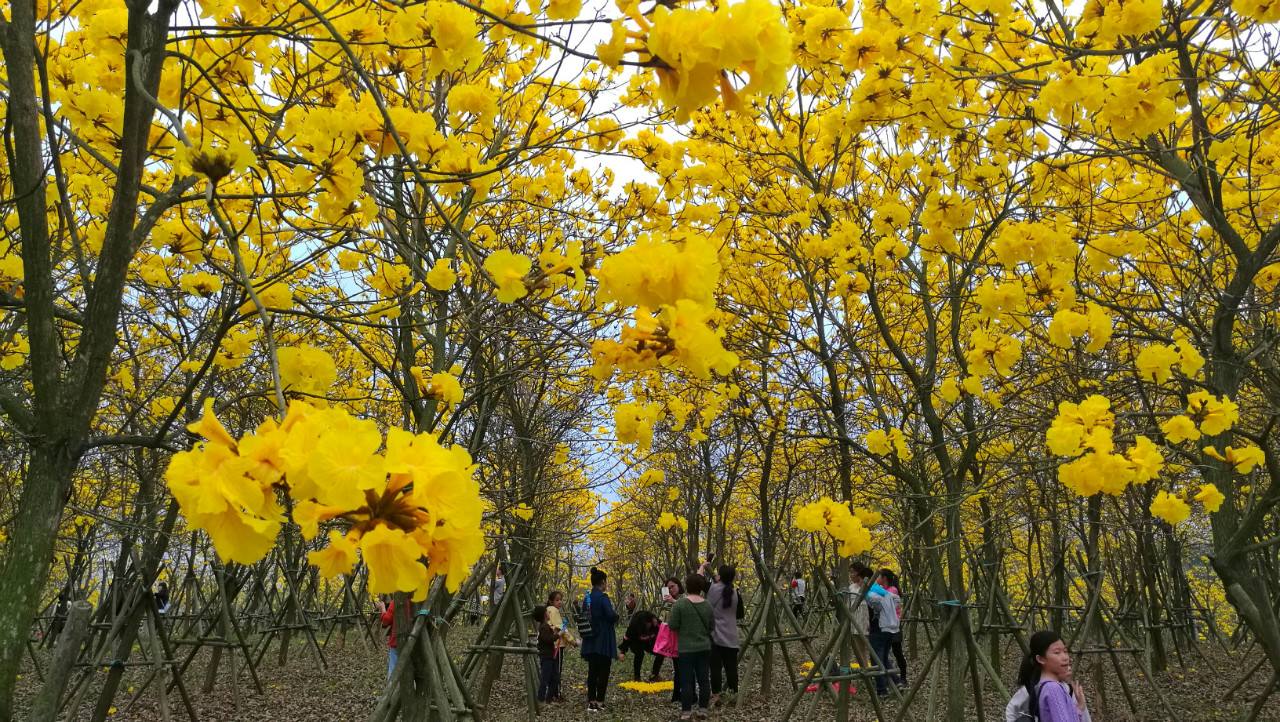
column 584, row 620
column 668, row 642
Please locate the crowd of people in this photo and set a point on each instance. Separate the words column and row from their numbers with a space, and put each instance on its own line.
column 699, row 633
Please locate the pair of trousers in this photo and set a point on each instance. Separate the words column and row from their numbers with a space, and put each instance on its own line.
column 637, row 663
column 724, row 669
column 392, row 656
column 880, row 645
column 899, row 657
column 549, row 679
column 694, row 668
column 597, row 676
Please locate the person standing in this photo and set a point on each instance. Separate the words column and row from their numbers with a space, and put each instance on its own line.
column 895, row 644
column 859, row 573
column 797, row 594
column 601, row 647
column 162, row 597
column 388, row 620
column 564, row 638
column 726, row 610
column 884, row 624
column 1046, row 690
column 691, row 619
column 499, row 588
column 548, row 656
column 670, row 595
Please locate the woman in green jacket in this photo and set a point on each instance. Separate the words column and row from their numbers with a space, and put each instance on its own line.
column 691, row 620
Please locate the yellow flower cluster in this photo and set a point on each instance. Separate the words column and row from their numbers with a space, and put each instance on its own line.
column 1088, row 427
column 647, row 687
column 1108, row 20
column 678, row 280
column 835, row 518
column 1242, row 460
column 634, row 423
column 693, row 50
column 885, row 443
column 1170, row 508
column 443, row 386
column 1069, row 325
column 1155, row 362
column 667, row 521
column 411, row 500
column 1210, row 497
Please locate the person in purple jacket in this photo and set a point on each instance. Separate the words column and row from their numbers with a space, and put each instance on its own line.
column 1051, row 695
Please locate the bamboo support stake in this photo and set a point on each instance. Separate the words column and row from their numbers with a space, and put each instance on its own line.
column 45, row 708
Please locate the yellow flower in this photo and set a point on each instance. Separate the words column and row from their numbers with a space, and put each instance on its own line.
column 1180, row 428
column 884, row 443
column 441, row 277
column 393, row 560
column 1170, row 508
column 843, row 525
column 634, row 423
column 210, row 428
column 307, row 514
column 1210, row 497
column 563, row 9
column 306, row 370
column 653, row 272
column 508, row 271
column 337, row 558
column 1215, row 415
column 201, row 283
column 1245, row 458
column 213, row 162
column 1146, row 459
column 949, row 390
column 1155, row 362
column 445, row 387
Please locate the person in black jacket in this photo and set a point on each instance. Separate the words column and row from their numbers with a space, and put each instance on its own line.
column 641, row 633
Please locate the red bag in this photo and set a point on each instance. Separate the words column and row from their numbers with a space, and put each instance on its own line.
column 668, row 642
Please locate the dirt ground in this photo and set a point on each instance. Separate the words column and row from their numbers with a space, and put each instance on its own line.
column 347, row 688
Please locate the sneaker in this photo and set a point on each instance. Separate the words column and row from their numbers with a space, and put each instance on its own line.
column 591, row 707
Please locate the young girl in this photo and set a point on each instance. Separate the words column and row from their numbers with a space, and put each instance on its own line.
column 565, row 638
column 1046, row 691
column 548, row 656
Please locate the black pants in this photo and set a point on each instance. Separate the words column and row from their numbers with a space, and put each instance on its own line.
column 597, row 676
column 637, row 662
column 896, row 645
column 724, row 669
column 693, row 668
column 549, row 679
column 880, row 643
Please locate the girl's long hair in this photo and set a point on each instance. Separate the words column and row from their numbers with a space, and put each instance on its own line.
column 727, row 575
column 1029, row 672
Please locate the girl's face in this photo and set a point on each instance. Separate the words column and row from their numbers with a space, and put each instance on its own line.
column 674, row 589
column 557, row 601
column 1056, row 661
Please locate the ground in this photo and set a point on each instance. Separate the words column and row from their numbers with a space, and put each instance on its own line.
column 348, row 689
